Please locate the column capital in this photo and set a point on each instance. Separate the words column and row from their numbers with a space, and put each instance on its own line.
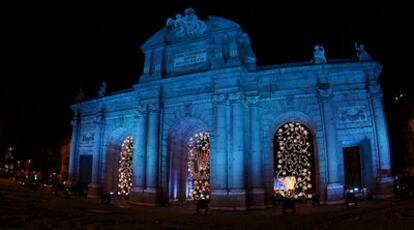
column 74, row 122
column 252, row 101
column 236, row 97
column 154, row 107
column 219, row 99
column 375, row 89
column 99, row 117
column 325, row 93
column 141, row 111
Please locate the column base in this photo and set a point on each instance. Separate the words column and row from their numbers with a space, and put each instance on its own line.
column 334, row 194
column 233, row 200
column 94, row 190
column 384, row 187
column 256, row 198
column 146, row 197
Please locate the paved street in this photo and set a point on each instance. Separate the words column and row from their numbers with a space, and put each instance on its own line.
column 24, row 208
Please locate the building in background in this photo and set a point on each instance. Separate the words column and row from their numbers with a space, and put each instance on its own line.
column 64, row 159
column 205, row 123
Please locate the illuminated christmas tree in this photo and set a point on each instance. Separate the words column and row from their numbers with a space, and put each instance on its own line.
column 199, row 166
column 125, row 168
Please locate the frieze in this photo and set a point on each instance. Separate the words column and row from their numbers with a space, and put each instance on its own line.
column 353, row 114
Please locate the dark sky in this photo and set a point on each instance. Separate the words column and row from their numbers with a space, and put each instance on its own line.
column 51, row 48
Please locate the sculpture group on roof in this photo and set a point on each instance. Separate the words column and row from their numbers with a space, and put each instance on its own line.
column 187, row 25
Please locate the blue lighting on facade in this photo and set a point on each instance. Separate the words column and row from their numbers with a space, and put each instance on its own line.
column 200, row 75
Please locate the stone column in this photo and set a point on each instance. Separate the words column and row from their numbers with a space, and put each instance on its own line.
column 153, row 149
column 157, row 63
column 95, row 186
column 334, row 188
column 237, row 190
column 219, row 185
column 232, row 50
column 238, row 144
column 140, row 150
column 256, row 192
column 384, row 181
column 218, row 60
column 219, row 155
column 256, row 159
column 147, row 63
column 73, row 169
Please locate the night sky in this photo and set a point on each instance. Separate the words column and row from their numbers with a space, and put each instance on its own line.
column 51, row 48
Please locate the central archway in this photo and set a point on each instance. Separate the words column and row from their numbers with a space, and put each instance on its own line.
column 198, row 167
column 189, row 160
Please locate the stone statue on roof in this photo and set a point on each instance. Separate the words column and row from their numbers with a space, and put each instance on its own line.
column 80, row 95
column 102, row 90
column 318, row 55
column 248, row 55
column 361, row 53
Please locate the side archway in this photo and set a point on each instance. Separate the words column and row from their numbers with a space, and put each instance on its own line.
column 295, row 160
column 189, row 160
column 119, row 171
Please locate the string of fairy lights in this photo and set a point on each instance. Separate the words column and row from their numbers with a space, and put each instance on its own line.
column 199, row 166
column 125, row 167
column 293, row 161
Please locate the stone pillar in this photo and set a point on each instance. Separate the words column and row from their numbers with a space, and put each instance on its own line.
column 237, row 191
column 334, row 188
column 153, row 137
column 94, row 188
column 232, row 51
column 256, row 193
column 384, row 181
column 157, row 63
column 147, row 63
column 238, row 144
column 140, row 150
column 218, row 60
column 219, row 165
column 221, row 145
column 73, row 165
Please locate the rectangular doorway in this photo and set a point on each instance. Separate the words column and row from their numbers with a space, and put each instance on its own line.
column 85, row 169
column 352, row 166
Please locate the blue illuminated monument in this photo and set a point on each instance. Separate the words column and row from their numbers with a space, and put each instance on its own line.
column 204, row 122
